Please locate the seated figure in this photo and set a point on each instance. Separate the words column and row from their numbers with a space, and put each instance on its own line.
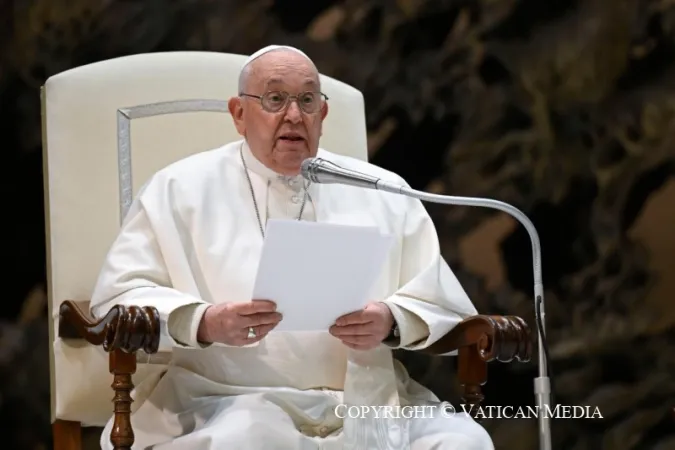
column 190, row 247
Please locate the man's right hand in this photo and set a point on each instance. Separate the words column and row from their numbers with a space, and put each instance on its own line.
column 229, row 323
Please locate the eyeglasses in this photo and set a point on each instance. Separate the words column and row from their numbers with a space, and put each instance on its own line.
column 275, row 101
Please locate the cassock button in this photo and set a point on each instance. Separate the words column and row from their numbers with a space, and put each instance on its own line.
column 295, row 199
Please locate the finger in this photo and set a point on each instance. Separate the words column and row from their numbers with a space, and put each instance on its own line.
column 353, row 318
column 255, row 307
column 352, row 330
column 261, row 319
column 244, row 339
column 263, row 330
column 260, row 332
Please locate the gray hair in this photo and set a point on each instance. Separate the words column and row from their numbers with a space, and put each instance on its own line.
column 243, row 78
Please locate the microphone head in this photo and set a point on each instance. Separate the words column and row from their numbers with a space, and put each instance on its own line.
column 307, row 168
column 317, row 170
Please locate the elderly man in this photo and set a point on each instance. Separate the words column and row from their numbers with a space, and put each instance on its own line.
column 190, row 247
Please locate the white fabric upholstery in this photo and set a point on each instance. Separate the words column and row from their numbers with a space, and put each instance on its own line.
column 81, row 111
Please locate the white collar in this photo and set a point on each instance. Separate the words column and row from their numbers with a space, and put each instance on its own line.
column 256, row 166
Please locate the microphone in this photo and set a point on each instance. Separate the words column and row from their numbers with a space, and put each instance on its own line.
column 319, row 170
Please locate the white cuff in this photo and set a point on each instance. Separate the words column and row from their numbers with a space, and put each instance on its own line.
column 183, row 324
column 411, row 327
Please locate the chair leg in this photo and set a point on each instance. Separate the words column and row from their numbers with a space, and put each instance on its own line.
column 471, row 374
column 67, row 435
column 122, row 366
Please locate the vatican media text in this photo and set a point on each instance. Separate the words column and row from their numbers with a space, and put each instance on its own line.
column 479, row 412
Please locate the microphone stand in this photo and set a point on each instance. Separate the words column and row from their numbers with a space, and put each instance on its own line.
column 542, row 384
column 323, row 171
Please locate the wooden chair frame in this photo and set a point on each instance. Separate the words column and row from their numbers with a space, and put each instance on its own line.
column 125, row 330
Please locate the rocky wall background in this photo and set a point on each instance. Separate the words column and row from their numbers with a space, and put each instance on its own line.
column 564, row 108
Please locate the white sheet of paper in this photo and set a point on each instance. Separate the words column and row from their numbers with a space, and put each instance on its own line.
column 317, row 272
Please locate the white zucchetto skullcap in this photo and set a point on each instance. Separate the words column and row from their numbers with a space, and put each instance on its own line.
column 270, row 48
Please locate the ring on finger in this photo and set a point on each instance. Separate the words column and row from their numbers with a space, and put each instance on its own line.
column 251, row 333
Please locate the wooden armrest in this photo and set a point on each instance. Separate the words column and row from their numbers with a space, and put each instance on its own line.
column 121, row 333
column 503, row 338
column 126, row 328
column 479, row 340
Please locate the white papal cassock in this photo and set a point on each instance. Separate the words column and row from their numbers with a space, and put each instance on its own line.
column 191, row 239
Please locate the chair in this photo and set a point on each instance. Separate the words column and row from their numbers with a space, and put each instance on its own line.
column 106, row 128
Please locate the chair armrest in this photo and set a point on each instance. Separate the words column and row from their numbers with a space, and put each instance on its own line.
column 124, row 328
column 121, row 332
column 479, row 340
column 503, row 338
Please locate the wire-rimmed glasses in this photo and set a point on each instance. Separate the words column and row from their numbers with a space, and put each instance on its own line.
column 275, row 101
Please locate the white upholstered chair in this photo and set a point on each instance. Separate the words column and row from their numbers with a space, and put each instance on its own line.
column 107, row 127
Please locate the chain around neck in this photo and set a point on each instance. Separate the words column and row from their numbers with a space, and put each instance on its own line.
column 255, row 203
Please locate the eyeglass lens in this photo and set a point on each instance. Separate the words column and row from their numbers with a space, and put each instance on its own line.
column 276, row 100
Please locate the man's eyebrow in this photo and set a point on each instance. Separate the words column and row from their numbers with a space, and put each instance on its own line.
column 311, row 82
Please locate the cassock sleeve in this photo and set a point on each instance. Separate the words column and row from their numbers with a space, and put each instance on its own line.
column 135, row 273
column 430, row 301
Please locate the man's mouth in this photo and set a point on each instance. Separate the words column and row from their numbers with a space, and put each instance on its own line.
column 291, row 137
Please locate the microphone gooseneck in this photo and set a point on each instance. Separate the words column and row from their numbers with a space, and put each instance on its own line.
column 319, row 170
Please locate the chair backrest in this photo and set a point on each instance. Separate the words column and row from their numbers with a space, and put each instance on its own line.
column 107, row 127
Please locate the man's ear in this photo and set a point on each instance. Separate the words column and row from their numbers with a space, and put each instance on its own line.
column 324, row 110
column 324, row 113
column 237, row 112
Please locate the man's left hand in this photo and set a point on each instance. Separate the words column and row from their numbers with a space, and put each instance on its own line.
column 365, row 329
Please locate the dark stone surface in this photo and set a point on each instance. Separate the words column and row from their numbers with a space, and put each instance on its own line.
column 563, row 108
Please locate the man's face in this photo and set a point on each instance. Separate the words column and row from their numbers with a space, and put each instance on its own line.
column 280, row 140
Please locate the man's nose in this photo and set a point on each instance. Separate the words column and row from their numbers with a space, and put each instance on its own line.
column 293, row 113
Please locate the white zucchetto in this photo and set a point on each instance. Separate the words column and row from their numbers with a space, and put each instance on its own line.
column 270, row 48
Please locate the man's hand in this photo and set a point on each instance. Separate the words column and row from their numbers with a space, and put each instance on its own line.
column 228, row 323
column 365, row 329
